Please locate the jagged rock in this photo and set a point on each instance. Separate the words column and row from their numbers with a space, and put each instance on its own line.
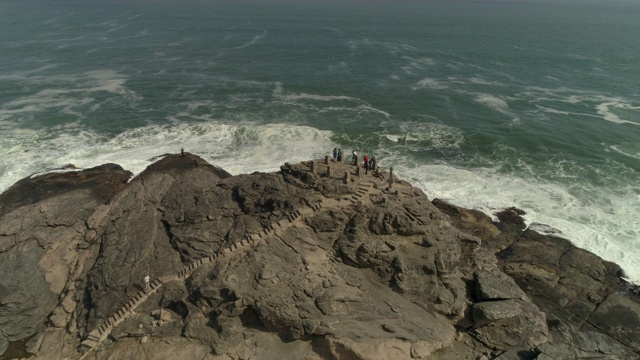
column 496, row 286
column 374, row 252
column 197, row 328
column 475, row 223
column 371, row 274
column 4, row 344
column 168, row 349
column 584, row 344
column 567, row 283
column 564, row 281
column 491, row 311
column 100, row 183
column 510, row 355
column 39, row 238
column 59, row 318
column 166, row 316
column 378, row 349
column 512, row 216
column 328, row 220
column 518, row 325
column 619, row 317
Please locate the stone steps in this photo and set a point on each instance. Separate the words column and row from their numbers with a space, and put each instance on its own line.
column 96, row 336
column 362, row 191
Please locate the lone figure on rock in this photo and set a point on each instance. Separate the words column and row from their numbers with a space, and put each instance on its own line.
column 365, row 159
column 378, row 174
column 146, row 283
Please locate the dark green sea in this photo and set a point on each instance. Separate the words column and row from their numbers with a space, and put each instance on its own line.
column 488, row 104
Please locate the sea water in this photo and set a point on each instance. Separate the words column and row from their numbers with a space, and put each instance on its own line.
column 487, row 104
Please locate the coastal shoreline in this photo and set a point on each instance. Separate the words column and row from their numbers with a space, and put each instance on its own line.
column 382, row 232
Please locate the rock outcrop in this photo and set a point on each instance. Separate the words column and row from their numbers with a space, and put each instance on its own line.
column 293, row 264
column 590, row 311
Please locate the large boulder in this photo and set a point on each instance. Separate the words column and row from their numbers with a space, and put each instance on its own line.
column 588, row 308
column 44, row 244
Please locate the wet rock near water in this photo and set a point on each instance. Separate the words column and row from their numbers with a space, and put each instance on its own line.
column 299, row 264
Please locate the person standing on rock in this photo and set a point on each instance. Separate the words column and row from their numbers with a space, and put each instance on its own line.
column 355, row 157
column 339, row 155
column 146, row 283
column 365, row 159
column 335, row 154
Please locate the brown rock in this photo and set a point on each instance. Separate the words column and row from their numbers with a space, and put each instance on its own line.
column 491, row 311
column 496, row 286
column 389, row 275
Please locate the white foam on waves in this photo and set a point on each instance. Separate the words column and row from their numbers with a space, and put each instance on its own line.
column 416, row 64
column 22, row 75
column 429, row 83
column 69, row 93
column 617, row 149
column 426, row 136
column 302, row 100
column 613, row 109
column 604, row 109
column 278, row 92
column 592, row 223
column 492, row 102
column 238, row 148
column 254, row 40
column 481, row 81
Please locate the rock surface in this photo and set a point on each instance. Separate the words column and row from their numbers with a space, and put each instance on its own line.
column 362, row 272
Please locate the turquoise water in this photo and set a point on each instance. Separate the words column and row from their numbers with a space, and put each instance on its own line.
column 485, row 103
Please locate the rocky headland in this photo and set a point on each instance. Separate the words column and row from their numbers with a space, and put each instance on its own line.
column 304, row 263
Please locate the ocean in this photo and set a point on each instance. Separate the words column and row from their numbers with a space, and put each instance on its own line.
column 487, row 104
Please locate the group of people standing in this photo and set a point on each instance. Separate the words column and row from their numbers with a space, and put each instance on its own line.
column 370, row 163
column 337, row 154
